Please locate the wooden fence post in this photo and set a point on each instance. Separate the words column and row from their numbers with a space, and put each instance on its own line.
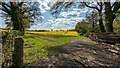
column 18, row 53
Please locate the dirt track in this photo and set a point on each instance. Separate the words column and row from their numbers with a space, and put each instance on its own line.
column 83, row 53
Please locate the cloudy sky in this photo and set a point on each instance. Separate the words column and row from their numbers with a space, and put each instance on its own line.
column 66, row 19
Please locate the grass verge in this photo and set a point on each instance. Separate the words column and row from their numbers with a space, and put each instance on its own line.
column 38, row 46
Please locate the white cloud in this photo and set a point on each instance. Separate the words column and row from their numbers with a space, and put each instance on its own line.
column 70, row 13
column 68, row 22
column 64, row 14
column 57, row 24
column 74, row 12
column 44, row 5
column 42, row 9
column 77, row 18
column 2, row 23
column 75, row 9
column 84, row 10
column 41, row 17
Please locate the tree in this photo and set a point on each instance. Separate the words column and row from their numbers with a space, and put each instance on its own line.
column 99, row 8
column 83, row 27
column 12, row 10
column 116, row 23
column 110, row 9
column 116, row 26
column 20, row 14
column 92, row 18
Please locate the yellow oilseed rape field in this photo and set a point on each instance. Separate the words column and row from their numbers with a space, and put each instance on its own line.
column 60, row 33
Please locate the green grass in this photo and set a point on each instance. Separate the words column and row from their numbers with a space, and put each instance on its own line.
column 38, row 46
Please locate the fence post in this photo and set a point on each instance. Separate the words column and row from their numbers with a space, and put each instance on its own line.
column 18, row 53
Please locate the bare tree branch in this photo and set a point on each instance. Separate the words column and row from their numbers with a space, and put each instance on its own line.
column 90, row 6
column 116, row 6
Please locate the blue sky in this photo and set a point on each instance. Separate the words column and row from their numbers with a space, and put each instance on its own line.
column 66, row 20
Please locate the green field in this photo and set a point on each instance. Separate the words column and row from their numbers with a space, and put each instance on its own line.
column 37, row 45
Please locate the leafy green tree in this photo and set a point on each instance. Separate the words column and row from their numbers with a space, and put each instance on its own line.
column 83, row 27
column 110, row 9
column 92, row 18
column 20, row 14
column 56, row 9
column 99, row 8
column 116, row 26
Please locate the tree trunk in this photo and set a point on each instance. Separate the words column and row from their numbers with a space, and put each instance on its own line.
column 93, row 27
column 22, row 31
column 102, row 28
column 109, row 26
column 109, row 17
column 109, row 22
column 17, row 24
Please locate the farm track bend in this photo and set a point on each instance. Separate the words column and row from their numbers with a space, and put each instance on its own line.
column 83, row 53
